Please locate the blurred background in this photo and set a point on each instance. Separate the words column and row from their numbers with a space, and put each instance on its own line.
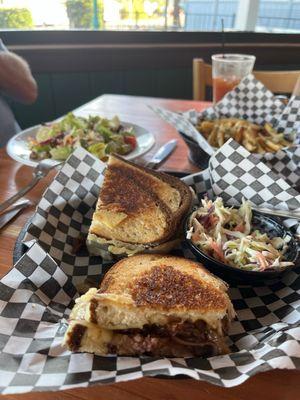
column 81, row 49
column 186, row 15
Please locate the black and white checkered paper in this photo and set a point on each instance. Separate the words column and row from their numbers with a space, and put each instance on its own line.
column 37, row 294
column 252, row 101
column 236, row 174
column 184, row 123
column 249, row 100
column 289, row 120
column 64, row 215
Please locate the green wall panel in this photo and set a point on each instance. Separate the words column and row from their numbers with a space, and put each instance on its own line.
column 139, row 83
column 174, row 83
column 106, row 82
column 42, row 110
column 70, row 91
column 62, row 92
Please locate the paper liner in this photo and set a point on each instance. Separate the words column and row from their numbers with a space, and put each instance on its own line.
column 37, row 294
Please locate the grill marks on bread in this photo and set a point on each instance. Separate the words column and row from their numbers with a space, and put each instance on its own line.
column 166, row 287
column 165, row 282
column 123, row 196
column 139, row 206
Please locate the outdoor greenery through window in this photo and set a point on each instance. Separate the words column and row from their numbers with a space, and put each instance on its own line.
column 186, row 15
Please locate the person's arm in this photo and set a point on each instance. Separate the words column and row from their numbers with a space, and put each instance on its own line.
column 16, row 79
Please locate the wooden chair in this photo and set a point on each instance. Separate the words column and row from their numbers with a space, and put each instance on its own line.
column 276, row 81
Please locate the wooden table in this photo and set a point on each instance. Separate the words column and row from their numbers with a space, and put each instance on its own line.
column 270, row 385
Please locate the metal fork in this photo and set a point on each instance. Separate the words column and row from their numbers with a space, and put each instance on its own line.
column 278, row 213
column 40, row 171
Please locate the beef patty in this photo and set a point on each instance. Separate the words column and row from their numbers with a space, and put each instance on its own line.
column 177, row 339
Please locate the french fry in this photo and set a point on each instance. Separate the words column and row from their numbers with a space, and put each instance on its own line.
column 256, row 139
column 268, row 149
column 220, row 138
column 261, row 141
column 212, row 138
column 255, row 127
column 250, row 147
column 273, row 146
column 206, row 127
column 270, row 130
column 260, row 149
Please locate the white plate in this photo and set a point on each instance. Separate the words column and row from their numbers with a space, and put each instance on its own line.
column 17, row 147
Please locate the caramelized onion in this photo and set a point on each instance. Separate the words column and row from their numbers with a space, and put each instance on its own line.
column 187, row 343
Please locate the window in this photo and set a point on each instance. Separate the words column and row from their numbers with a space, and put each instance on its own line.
column 185, row 15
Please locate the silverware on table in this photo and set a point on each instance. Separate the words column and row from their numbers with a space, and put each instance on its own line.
column 39, row 172
column 277, row 213
column 162, row 154
column 12, row 212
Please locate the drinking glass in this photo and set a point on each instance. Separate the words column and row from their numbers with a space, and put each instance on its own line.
column 227, row 72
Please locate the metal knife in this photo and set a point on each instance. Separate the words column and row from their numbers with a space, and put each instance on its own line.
column 162, row 154
column 12, row 212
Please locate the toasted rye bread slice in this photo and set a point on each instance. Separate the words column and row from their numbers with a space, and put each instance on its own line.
column 175, row 193
column 139, row 206
column 153, row 289
column 128, row 212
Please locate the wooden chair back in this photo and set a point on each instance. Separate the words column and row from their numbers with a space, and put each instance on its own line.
column 276, row 81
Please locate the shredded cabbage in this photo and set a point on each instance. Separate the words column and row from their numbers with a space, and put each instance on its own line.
column 226, row 234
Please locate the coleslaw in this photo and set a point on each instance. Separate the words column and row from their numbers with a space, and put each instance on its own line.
column 100, row 136
column 227, row 235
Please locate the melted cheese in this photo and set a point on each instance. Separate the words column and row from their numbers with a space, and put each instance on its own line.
column 109, row 218
column 94, row 339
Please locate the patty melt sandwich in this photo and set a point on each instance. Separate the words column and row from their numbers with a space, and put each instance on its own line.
column 139, row 210
column 155, row 305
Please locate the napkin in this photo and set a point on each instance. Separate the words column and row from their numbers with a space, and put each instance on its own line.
column 236, row 173
column 38, row 292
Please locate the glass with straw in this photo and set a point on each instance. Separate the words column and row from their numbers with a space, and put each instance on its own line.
column 227, row 71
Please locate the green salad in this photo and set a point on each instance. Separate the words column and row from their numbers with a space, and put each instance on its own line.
column 100, row 136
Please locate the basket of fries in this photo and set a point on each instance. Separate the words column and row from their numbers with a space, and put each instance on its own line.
column 250, row 114
column 255, row 138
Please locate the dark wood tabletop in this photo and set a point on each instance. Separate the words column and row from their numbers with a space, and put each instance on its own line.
column 279, row 384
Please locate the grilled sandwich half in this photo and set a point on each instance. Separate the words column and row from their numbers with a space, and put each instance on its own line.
column 138, row 210
column 156, row 305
